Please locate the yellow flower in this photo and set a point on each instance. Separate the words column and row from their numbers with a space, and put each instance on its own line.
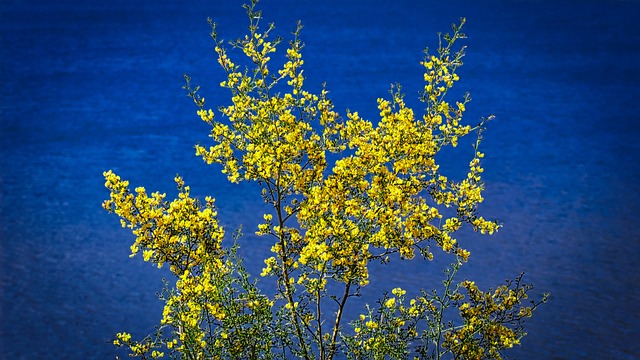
column 398, row 292
column 390, row 302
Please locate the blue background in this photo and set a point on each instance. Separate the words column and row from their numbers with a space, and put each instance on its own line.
column 90, row 86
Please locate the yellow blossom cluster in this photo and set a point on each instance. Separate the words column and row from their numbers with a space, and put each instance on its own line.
column 180, row 233
column 388, row 331
column 183, row 234
column 490, row 321
column 383, row 195
column 378, row 200
column 142, row 349
column 270, row 136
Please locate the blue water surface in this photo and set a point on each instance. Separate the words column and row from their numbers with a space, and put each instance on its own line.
column 89, row 86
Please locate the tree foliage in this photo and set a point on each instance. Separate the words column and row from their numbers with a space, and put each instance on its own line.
column 384, row 198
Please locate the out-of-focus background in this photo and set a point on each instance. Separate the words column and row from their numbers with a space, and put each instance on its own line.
column 88, row 86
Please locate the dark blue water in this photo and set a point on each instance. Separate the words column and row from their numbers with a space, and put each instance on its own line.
column 90, row 86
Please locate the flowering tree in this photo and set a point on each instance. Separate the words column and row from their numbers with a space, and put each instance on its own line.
column 385, row 198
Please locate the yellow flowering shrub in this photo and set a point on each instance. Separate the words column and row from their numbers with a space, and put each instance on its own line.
column 385, row 197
